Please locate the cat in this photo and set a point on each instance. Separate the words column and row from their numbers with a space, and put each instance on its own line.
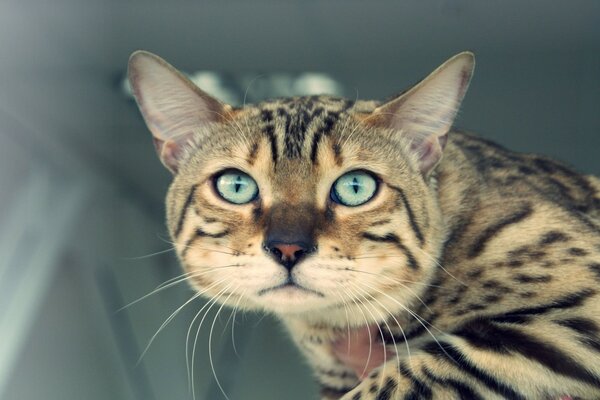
column 448, row 266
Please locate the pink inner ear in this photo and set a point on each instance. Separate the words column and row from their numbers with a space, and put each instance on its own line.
column 429, row 151
column 169, row 153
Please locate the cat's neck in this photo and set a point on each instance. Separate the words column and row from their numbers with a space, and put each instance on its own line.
column 459, row 185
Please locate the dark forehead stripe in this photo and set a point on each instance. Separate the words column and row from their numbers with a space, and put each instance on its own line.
column 269, row 130
column 327, row 125
column 298, row 118
column 252, row 155
column 291, row 122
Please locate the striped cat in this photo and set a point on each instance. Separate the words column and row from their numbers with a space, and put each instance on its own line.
column 408, row 261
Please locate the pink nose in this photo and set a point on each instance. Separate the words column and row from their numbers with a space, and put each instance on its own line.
column 288, row 251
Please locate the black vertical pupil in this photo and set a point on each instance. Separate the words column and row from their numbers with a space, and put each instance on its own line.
column 355, row 185
column 238, row 183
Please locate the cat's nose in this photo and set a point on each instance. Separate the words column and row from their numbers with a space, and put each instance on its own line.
column 287, row 254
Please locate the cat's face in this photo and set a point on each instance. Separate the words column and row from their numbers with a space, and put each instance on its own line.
column 302, row 205
column 324, row 219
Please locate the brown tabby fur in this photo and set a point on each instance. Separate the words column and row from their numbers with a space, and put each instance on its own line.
column 486, row 269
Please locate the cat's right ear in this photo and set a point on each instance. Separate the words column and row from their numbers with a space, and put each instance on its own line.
column 424, row 114
column 172, row 106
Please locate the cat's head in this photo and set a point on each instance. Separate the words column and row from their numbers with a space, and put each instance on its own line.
column 303, row 205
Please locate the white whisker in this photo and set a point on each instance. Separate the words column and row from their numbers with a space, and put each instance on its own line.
column 390, row 330
column 415, row 316
column 444, row 269
column 191, row 363
column 165, row 324
column 235, row 310
column 177, row 280
column 360, row 292
column 210, row 357
column 399, row 282
column 368, row 332
column 149, row 255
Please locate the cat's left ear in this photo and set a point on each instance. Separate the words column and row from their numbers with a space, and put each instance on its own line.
column 172, row 106
column 425, row 113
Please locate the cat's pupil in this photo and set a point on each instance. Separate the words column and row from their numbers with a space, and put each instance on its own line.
column 238, row 183
column 355, row 185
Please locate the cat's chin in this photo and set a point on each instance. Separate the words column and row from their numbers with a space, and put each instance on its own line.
column 291, row 299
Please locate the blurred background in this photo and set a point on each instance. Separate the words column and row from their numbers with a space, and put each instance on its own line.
column 81, row 190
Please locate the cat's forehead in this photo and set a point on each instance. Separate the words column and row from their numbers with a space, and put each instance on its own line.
column 295, row 127
column 292, row 141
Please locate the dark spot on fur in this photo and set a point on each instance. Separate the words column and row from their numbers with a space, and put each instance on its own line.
column 519, row 251
column 475, row 273
column 526, row 170
column 595, row 268
column 526, row 252
column 547, row 264
column 492, row 283
column 576, row 251
column 523, row 278
column 527, row 295
column 509, row 180
column 503, row 289
column 536, row 255
column 553, row 237
column 476, row 307
column 380, row 222
column 515, row 263
column 492, row 298
column 454, row 299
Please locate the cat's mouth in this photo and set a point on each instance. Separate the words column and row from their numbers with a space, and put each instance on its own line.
column 289, row 285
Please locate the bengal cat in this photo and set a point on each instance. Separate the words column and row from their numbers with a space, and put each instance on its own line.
column 407, row 260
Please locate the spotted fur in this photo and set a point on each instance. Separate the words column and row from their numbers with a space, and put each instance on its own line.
column 483, row 264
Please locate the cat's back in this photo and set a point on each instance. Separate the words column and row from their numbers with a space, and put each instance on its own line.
column 522, row 229
column 507, row 177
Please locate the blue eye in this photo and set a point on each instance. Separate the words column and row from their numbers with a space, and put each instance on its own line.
column 354, row 188
column 236, row 187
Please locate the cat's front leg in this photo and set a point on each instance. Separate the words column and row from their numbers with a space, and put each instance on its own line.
column 316, row 344
column 487, row 360
column 395, row 380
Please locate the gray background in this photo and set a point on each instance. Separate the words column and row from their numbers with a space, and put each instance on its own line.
column 81, row 189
